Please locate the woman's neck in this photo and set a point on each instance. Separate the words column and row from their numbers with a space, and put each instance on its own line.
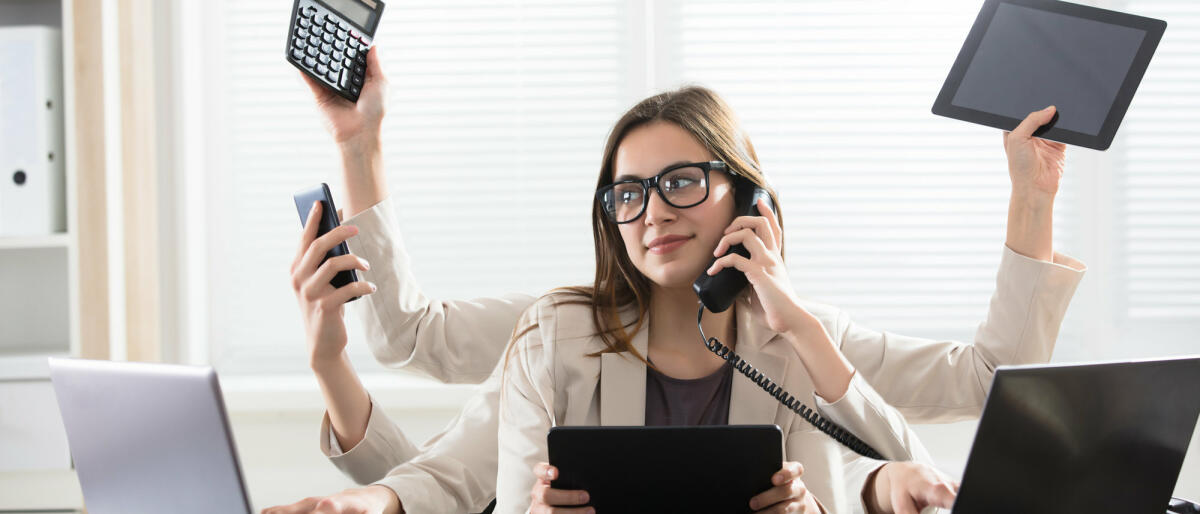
column 675, row 345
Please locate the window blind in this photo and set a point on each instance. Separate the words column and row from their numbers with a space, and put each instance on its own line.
column 496, row 121
column 498, row 113
column 892, row 213
column 1161, row 186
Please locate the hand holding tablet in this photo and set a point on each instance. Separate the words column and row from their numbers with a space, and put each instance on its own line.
column 1023, row 55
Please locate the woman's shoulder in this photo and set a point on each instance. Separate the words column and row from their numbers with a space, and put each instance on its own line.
column 562, row 314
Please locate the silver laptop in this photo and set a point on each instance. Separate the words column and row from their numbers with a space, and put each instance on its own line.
column 150, row 438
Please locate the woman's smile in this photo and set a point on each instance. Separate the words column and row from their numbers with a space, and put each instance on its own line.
column 667, row 244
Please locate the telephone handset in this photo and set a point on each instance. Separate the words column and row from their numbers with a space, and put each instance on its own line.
column 717, row 293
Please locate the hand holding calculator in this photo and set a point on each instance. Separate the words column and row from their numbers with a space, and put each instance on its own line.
column 328, row 40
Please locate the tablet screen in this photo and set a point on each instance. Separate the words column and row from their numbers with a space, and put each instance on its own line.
column 1031, row 58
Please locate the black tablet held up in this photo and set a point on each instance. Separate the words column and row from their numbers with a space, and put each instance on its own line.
column 1024, row 55
column 667, row 469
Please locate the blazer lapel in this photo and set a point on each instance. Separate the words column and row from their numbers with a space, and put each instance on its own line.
column 749, row 404
column 623, row 385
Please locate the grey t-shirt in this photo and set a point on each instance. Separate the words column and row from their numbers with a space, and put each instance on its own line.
column 698, row 401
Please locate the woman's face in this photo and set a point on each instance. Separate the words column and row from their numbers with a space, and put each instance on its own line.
column 671, row 246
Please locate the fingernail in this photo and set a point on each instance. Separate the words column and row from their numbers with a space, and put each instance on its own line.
column 583, row 497
column 753, row 504
column 366, row 265
column 372, row 284
column 777, row 479
column 1048, row 108
column 552, row 473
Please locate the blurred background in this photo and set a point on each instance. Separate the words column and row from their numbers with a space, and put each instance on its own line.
column 186, row 132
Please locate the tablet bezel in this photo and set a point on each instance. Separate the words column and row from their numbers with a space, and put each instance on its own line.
column 1154, row 29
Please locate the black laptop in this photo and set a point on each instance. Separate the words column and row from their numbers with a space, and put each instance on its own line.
column 1107, row 437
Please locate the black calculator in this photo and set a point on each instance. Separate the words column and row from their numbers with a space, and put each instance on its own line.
column 329, row 39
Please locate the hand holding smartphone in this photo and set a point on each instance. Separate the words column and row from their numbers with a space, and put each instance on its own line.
column 327, row 222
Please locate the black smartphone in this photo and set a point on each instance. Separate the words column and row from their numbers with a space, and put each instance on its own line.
column 717, row 292
column 327, row 222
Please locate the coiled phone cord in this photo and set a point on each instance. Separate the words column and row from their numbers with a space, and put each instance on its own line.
column 835, row 431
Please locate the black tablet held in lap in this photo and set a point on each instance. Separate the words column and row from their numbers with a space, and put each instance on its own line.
column 667, row 469
column 1024, row 55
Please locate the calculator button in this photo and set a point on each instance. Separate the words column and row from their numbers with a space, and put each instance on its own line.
column 299, row 43
column 361, row 59
column 349, row 63
column 354, row 91
column 353, row 34
column 343, row 25
column 344, row 82
column 308, row 11
column 339, row 45
column 297, row 54
column 328, row 38
column 332, row 76
column 356, row 80
column 310, row 62
column 341, row 34
column 351, row 53
column 336, row 66
column 323, row 59
column 312, row 51
column 360, row 71
column 330, row 26
column 352, row 43
column 305, row 23
column 337, row 57
column 319, row 20
column 322, row 69
column 301, row 33
column 326, row 48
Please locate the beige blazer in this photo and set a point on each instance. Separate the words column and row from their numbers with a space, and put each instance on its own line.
column 928, row 381
column 551, row 380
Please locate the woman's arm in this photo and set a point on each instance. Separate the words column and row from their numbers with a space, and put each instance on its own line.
column 526, row 415
column 1035, row 167
column 452, row 341
column 322, row 307
column 940, row 381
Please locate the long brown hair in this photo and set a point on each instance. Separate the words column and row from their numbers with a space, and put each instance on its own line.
column 618, row 285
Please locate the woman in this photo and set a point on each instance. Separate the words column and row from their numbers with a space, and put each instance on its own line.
column 625, row 350
column 459, row 341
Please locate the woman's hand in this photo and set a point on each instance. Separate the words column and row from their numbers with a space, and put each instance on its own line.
column 322, row 305
column 1035, row 167
column 547, row 500
column 355, row 127
column 788, row 495
column 375, row 499
column 908, row 488
column 763, row 237
column 765, row 270
column 354, row 122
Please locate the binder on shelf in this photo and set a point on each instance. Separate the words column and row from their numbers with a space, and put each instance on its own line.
column 32, row 194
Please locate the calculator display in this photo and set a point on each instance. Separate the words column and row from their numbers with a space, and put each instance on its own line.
column 353, row 10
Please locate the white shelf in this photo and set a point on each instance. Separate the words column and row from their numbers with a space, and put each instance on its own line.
column 61, row 240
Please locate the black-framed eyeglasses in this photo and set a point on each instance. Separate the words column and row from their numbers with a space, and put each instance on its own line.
column 681, row 186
